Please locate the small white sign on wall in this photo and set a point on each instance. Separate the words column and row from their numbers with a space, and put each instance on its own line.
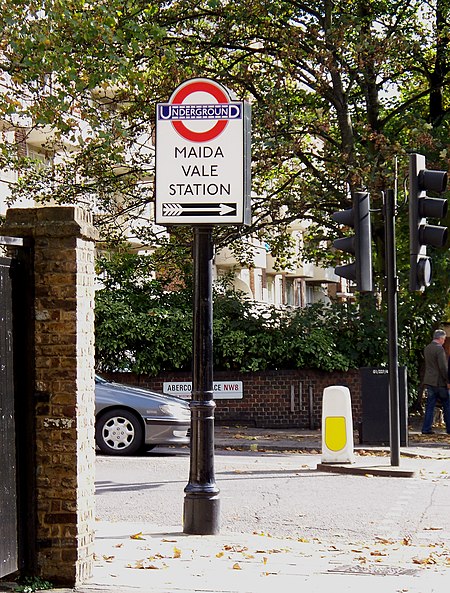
column 222, row 389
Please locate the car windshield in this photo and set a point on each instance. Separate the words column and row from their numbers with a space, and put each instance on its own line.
column 99, row 379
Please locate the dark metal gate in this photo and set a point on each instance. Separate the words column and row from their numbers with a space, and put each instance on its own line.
column 8, row 457
column 17, row 466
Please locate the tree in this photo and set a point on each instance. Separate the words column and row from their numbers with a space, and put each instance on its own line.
column 330, row 84
column 340, row 90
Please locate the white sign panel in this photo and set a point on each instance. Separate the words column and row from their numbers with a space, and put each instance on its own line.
column 202, row 156
column 222, row 389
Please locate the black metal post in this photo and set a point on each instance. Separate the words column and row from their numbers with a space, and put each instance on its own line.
column 392, row 289
column 201, row 503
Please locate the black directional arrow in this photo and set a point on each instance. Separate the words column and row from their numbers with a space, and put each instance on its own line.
column 199, row 209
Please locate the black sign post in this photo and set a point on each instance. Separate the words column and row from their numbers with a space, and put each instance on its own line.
column 202, row 178
column 202, row 503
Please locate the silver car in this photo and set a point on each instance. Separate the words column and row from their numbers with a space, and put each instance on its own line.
column 127, row 419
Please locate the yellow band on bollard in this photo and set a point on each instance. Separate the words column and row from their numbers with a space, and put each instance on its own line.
column 335, row 433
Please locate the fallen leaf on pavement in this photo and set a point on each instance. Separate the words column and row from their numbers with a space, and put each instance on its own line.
column 108, row 558
column 137, row 536
column 428, row 560
column 383, row 540
column 176, row 553
column 236, row 566
column 245, row 437
column 229, row 548
column 143, row 564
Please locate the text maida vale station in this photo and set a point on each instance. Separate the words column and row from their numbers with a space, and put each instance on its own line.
column 191, row 160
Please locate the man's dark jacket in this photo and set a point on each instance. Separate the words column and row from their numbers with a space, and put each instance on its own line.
column 436, row 365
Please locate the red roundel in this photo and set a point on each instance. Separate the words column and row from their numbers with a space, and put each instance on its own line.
column 193, row 87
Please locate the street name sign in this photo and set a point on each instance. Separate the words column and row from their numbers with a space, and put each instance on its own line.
column 222, row 389
column 202, row 156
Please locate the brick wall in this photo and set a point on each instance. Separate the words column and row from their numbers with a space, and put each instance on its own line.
column 63, row 247
column 271, row 399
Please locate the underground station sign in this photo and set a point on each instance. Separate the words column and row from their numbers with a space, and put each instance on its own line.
column 202, row 156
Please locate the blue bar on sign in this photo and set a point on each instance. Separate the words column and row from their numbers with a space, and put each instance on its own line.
column 170, row 112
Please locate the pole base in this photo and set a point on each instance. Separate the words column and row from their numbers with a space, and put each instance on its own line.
column 201, row 514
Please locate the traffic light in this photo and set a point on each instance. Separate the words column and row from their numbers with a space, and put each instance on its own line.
column 421, row 206
column 360, row 244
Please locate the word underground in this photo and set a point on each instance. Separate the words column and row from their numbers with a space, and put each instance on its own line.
column 185, row 112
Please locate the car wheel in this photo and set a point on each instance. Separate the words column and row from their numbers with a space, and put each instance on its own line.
column 118, row 432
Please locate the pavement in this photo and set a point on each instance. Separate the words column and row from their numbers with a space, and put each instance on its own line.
column 375, row 459
column 138, row 558
column 435, row 446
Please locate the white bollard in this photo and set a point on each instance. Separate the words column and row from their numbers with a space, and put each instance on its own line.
column 337, row 425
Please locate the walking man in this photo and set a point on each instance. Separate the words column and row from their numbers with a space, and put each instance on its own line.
column 436, row 381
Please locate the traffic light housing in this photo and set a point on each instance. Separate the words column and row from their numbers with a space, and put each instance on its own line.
column 421, row 207
column 360, row 244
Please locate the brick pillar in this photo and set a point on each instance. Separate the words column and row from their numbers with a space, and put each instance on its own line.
column 64, row 242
